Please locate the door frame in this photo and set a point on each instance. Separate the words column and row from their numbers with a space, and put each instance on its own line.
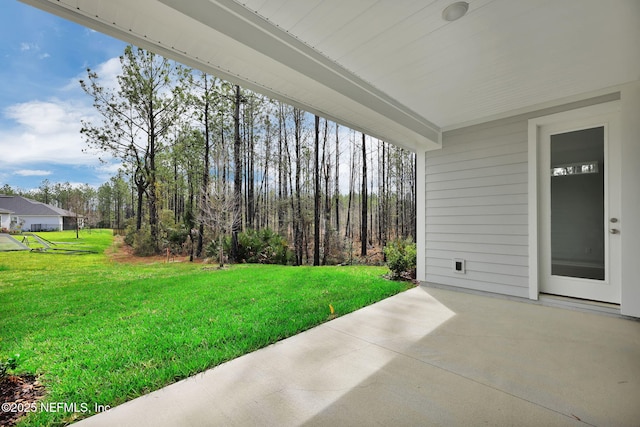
column 535, row 126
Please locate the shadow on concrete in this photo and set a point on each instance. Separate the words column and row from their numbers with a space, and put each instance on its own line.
column 500, row 362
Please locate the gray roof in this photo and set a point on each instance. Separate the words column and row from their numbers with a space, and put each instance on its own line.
column 19, row 205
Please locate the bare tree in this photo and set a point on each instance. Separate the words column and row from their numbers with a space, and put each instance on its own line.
column 219, row 216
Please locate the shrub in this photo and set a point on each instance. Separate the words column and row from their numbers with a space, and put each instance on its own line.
column 215, row 249
column 10, row 362
column 143, row 244
column 212, row 249
column 260, row 247
column 176, row 239
column 130, row 231
column 139, row 240
column 401, row 257
column 334, row 249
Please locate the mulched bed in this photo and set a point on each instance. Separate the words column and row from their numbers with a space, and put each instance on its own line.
column 20, row 392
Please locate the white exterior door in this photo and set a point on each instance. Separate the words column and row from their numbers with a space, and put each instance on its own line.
column 579, row 207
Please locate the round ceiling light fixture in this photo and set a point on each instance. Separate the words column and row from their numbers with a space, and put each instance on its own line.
column 455, row 11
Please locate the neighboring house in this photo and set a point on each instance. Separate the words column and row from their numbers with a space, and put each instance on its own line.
column 5, row 219
column 29, row 215
column 524, row 116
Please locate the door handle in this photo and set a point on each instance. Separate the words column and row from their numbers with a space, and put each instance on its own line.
column 614, row 231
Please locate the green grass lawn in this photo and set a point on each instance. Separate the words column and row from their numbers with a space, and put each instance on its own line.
column 100, row 332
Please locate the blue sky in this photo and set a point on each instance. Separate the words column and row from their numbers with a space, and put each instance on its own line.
column 41, row 102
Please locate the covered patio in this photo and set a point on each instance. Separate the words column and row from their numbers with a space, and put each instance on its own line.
column 427, row 356
column 472, row 98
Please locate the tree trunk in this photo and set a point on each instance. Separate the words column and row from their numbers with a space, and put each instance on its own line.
column 328, row 232
column 140, row 199
column 281, row 181
column 175, row 187
column 152, row 194
column 298, row 220
column 363, row 221
column 264, row 212
column 237, row 179
column 151, row 171
column 347, row 229
column 337, row 183
column 316, row 195
column 384, row 211
column 371, row 207
column 205, row 172
column 251, row 203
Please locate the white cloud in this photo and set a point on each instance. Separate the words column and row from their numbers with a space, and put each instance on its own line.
column 110, row 168
column 44, row 118
column 106, row 170
column 107, row 71
column 32, row 172
column 74, row 184
column 38, row 134
column 45, row 131
column 24, row 46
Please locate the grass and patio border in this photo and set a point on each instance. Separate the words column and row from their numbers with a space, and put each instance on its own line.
column 100, row 332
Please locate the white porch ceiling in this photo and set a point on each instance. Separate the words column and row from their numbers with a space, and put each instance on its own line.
column 391, row 68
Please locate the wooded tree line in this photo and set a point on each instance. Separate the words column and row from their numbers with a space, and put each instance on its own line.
column 210, row 158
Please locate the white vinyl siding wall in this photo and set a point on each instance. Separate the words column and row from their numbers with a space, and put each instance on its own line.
column 477, row 204
column 476, row 208
column 43, row 220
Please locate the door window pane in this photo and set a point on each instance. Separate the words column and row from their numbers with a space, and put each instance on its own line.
column 577, row 204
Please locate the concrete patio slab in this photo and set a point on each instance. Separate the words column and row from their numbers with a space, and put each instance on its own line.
column 424, row 357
